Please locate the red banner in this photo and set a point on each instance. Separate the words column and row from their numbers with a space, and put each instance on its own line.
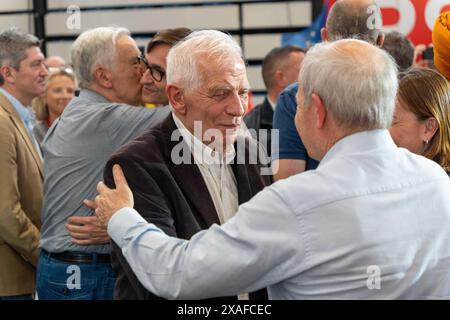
column 415, row 18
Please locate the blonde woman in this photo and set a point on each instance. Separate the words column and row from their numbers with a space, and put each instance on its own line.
column 422, row 115
column 60, row 89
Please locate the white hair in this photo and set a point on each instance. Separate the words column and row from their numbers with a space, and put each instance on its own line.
column 356, row 81
column 184, row 58
column 93, row 48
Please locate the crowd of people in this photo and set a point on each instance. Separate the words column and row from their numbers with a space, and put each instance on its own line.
column 143, row 175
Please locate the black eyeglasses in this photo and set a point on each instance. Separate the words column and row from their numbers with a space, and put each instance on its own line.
column 156, row 72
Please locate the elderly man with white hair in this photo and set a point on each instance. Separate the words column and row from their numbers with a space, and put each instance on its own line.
column 195, row 168
column 75, row 256
column 371, row 222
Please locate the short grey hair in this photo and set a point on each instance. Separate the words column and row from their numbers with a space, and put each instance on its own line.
column 400, row 48
column 13, row 46
column 184, row 58
column 356, row 81
column 95, row 47
column 277, row 58
column 351, row 21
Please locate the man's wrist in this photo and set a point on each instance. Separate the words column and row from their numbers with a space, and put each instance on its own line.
column 121, row 222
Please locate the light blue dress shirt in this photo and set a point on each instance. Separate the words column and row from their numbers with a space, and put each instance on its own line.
column 27, row 116
column 371, row 222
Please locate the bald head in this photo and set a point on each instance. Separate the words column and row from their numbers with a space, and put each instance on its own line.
column 357, row 3
column 363, row 78
column 55, row 62
column 357, row 19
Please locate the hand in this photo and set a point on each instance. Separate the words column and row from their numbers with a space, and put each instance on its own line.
column 90, row 204
column 109, row 201
column 418, row 60
column 87, row 230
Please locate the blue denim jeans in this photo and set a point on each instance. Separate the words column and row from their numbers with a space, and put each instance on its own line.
column 59, row 280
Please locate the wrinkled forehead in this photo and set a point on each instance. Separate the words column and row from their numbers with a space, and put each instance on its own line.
column 227, row 69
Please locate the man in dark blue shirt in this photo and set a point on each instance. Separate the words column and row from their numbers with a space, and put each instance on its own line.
column 347, row 19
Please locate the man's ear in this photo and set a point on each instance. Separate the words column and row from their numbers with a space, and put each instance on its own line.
column 380, row 39
column 278, row 75
column 281, row 79
column 103, row 77
column 319, row 109
column 8, row 74
column 176, row 98
column 431, row 127
column 324, row 34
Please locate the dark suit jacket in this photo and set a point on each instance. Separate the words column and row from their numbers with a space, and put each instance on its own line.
column 173, row 197
column 261, row 117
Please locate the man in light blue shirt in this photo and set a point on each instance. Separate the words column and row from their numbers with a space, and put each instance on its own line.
column 371, row 222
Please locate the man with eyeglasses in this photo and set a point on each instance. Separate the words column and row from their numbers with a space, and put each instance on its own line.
column 75, row 257
column 154, row 79
column 22, row 78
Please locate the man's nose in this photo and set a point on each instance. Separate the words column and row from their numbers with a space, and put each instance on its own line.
column 44, row 71
column 238, row 106
column 146, row 78
column 66, row 94
column 142, row 69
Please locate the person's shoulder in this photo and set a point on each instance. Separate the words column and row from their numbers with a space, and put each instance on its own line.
column 137, row 115
column 5, row 121
column 3, row 112
column 260, row 106
column 3, row 101
column 290, row 90
column 302, row 191
column 255, row 110
column 81, row 107
column 141, row 110
column 359, row 175
column 286, row 101
column 424, row 167
column 251, row 118
column 4, row 116
column 90, row 106
column 146, row 146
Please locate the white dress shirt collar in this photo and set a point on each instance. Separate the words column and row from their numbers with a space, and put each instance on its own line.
column 203, row 154
column 272, row 104
column 358, row 142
